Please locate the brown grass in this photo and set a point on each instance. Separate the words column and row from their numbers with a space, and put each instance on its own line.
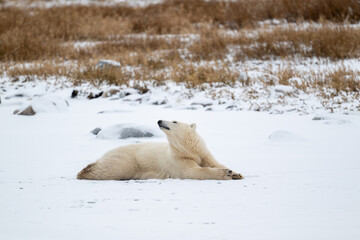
column 96, row 76
column 210, row 45
column 38, row 33
column 40, row 69
column 194, row 76
column 135, row 37
column 328, row 41
column 340, row 79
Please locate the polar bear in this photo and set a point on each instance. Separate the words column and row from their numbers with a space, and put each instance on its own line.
column 185, row 156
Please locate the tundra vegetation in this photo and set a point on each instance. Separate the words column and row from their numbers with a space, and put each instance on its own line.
column 191, row 42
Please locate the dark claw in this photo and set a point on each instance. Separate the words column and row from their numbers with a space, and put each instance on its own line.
column 237, row 176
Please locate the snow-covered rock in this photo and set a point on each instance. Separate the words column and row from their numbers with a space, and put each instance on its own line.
column 124, row 131
column 284, row 89
column 18, row 95
column 108, row 63
column 110, row 92
column 285, row 136
column 44, row 104
column 317, row 118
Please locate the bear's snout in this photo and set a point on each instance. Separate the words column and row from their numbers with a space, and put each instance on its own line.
column 163, row 125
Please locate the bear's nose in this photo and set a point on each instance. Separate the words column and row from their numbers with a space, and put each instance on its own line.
column 159, row 122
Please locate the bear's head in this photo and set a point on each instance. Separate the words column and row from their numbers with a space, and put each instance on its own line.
column 183, row 137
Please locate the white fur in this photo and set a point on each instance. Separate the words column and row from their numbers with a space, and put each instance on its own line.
column 185, row 156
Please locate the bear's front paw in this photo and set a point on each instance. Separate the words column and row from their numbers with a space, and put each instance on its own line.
column 236, row 176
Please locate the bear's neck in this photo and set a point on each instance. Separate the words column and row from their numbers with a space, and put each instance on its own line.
column 184, row 155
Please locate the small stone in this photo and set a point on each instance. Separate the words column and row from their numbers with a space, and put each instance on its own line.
column 284, row 89
column 92, row 95
column 74, row 93
column 29, row 111
column 202, row 104
column 317, row 118
column 163, row 102
column 107, row 63
column 231, row 107
column 96, row 131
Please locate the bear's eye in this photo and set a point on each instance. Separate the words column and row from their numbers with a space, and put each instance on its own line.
column 175, row 122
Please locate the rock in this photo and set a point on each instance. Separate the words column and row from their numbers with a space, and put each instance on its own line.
column 230, row 107
column 110, row 92
column 17, row 95
column 141, row 89
column 92, row 95
column 284, row 89
column 160, row 102
column 114, row 111
column 124, row 131
column 134, row 133
column 96, row 131
column 255, row 107
column 124, row 94
column 201, row 104
column 74, row 93
column 317, row 118
column 107, row 63
column 29, row 111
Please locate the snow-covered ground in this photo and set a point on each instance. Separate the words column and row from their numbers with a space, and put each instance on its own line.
column 301, row 172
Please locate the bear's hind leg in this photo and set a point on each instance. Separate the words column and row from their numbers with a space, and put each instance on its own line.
column 87, row 172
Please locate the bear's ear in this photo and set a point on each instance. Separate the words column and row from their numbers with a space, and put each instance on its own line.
column 193, row 126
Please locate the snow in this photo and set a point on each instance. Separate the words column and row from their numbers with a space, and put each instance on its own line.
column 292, row 189
column 285, row 136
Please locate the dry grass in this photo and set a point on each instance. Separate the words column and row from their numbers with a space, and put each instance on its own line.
column 211, row 45
column 328, row 41
column 35, row 34
column 194, row 76
column 136, row 38
column 40, row 69
column 340, row 79
column 96, row 76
